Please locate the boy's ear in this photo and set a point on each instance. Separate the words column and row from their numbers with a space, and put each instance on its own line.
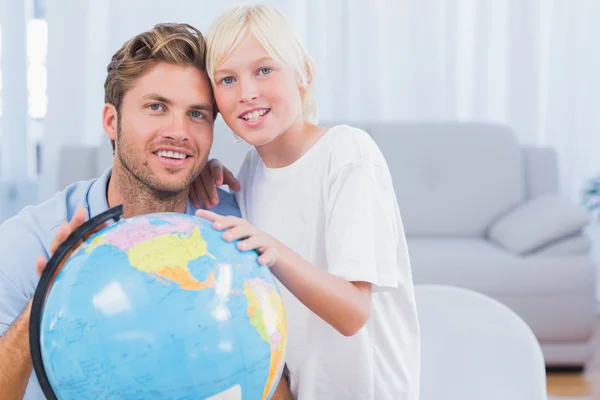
column 109, row 120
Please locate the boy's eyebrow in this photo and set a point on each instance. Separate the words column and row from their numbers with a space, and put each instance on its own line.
column 229, row 71
column 162, row 99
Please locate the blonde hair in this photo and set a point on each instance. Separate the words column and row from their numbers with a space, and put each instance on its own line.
column 275, row 33
column 174, row 43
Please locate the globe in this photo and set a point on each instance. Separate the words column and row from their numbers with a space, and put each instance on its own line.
column 160, row 306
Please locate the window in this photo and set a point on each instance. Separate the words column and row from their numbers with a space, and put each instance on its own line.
column 37, row 49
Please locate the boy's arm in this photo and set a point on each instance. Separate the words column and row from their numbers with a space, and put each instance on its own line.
column 344, row 305
column 362, row 240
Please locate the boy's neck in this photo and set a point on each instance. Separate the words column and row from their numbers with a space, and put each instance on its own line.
column 291, row 145
column 137, row 198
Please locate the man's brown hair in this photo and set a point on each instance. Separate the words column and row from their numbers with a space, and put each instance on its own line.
column 174, row 43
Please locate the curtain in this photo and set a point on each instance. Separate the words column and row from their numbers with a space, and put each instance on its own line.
column 531, row 64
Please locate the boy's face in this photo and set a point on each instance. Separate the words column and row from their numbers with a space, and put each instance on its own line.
column 165, row 130
column 258, row 96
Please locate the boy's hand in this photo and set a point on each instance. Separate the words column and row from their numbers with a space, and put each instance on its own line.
column 251, row 237
column 204, row 187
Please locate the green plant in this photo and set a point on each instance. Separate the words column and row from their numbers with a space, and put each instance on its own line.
column 591, row 196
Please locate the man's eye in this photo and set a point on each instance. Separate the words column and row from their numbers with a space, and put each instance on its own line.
column 155, row 107
column 196, row 114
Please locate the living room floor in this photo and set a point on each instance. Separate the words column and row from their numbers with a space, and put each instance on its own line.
column 578, row 384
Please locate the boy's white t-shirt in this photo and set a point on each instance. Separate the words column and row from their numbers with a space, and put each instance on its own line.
column 337, row 208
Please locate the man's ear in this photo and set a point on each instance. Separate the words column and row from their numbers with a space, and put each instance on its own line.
column 110, row 120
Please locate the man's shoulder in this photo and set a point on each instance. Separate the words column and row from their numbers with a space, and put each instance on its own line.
column 228, row 204
column 38, row 222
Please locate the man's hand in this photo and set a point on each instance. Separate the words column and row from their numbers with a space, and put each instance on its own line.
column 253, row 238
column 204, row 187
column 282, row 392
column 15, row 354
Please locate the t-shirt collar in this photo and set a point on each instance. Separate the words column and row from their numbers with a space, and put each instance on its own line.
column 98, row 196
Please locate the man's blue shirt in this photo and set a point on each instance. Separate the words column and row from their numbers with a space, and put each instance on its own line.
column 29, row 234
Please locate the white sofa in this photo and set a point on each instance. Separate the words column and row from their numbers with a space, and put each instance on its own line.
column 484, row 213
column 480, row 212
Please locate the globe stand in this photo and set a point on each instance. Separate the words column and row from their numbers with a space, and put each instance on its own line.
column 56, row 262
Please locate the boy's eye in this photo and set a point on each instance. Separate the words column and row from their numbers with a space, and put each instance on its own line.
column 228, row 80
column 265, row 71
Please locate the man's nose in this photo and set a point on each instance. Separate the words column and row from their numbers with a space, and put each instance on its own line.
column 179, row 129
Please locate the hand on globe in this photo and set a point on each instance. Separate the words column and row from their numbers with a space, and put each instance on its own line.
column 204, row 188
column 251, row 238
column 62, row 234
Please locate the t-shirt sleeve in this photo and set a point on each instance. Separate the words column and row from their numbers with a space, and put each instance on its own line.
column 365, row 239
column 19, row 248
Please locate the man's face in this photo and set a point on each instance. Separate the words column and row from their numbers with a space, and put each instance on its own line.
column 165, row 127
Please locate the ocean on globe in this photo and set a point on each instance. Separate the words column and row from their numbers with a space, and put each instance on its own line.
column 160, row 306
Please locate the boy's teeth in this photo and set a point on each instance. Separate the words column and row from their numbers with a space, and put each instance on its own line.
column 171, row 154
column 253, row 116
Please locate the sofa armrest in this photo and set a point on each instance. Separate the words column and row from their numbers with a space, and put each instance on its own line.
column 578, row 244
column 541, row 171
column 538, row 223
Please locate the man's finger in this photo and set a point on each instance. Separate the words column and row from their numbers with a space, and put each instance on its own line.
column 61, row 235
column 40, row 264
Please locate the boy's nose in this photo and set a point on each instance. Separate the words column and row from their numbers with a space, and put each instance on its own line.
column 247, row 93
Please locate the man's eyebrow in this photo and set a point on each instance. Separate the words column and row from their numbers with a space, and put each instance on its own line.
column 157, row 97
column 205, row 107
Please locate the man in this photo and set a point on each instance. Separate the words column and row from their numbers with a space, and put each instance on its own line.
column 159, row 115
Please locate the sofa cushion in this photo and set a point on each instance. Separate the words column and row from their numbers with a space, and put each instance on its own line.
column 452, row 179
column 542, row 290
column 538, row 222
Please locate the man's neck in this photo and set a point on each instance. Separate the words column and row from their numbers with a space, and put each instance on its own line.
column 137, row 198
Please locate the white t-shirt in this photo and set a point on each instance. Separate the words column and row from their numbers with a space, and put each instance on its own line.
column 337, row 208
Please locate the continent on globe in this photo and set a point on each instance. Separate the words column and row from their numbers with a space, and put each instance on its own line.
column 174, row 251
column 264, row 309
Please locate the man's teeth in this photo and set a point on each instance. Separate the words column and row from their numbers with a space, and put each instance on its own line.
column 171, row 154
column 253, row 116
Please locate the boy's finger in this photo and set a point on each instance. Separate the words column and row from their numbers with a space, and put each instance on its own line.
column 216, row 170
column 230, row 180
column 268, row 257
column 207, row 215
column 194, row 196
column 210, row 188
